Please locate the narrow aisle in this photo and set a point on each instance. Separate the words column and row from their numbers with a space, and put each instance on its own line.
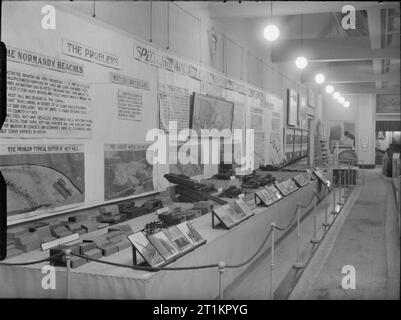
column 367, row 243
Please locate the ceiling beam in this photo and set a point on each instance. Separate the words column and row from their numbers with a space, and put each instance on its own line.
column 375, row 34
column 261, row 9
column 334, row 49
column 352, row 89
column 353, row 76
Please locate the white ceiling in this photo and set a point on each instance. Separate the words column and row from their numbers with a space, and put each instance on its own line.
column 364, row 60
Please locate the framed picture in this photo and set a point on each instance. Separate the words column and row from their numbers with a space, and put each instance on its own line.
column 292, row 108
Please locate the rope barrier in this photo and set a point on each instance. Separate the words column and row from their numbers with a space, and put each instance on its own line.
column 309, row 203
column 254, row 255
column 32, row 262
column 290, row 223
column 144, row 268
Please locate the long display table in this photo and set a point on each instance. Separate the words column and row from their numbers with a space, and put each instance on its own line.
column 99, row 281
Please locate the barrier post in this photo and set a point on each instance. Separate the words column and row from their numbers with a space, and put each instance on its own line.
column 68, row 263
column 222, row 268
column 334, row 212
column 273, row 226
column 348, row 180
column 298, row 264
column 340, row 197
column 314, row 239
column 326, row 204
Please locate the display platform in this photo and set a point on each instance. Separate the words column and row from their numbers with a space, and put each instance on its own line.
column 99, row 281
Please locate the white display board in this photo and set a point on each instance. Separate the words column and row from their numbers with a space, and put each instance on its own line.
column 81, row 100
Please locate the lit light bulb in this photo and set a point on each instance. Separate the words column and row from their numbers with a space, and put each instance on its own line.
column 346, row 104
column 271, row 32
column 301, row 62
column 336, row 95
column 319, row 78
column 329, row 89
column 341, row 100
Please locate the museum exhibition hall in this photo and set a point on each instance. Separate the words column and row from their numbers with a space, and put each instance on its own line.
column 200, row 150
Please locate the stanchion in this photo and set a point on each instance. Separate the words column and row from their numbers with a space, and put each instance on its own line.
column 347, row 182
column 68, row 263
column 334, row 211
column 326, row 205
column 340, row 197
column 222, row 268
column 273, row 226
column 314, row 239
column 298, row 264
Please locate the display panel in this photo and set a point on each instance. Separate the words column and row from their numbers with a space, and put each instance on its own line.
column 126, row 171
column 42, row 178
column 166, row 248
column 232, row 213
column 3, row 187
column 192, row 234
column 286, row 187
column 147, row 251
column 211, row 113
column 179, row 239
column 292, row 107
column 301, row 180
column 320, row 175
column 268, row 195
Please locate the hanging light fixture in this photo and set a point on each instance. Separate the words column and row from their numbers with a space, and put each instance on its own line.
column 329, row 89
column 346, row 104
column 271, row 31
column 320, row 78
column 336, row 95
column 341, row 100
column 301, row 62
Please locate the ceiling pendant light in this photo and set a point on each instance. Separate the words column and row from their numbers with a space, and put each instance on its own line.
column 271, row 31
column 336, row 95
column 341, row 100
column 346, row 104
column 320, row 78
column 329, row 89
column 301, row 62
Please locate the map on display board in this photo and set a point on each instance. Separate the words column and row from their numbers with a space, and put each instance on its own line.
column 195, row 168
column 126, row 171
column 42, row 178
column 211, row 113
